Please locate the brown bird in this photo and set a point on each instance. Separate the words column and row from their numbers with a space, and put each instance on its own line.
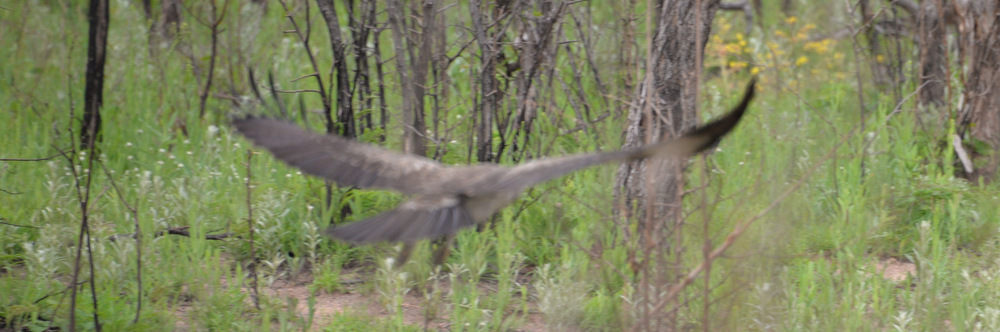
column 444, row 199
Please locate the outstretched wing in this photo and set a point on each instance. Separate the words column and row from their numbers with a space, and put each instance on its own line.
column 420, row 218
column 528, row 174
column 701, row 138
column 346, row 162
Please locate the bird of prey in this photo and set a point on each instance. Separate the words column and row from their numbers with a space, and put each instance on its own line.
column 443, row 199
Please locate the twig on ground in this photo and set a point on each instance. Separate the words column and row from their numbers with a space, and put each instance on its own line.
column 3, row 222
column 182, row 231
column 32, row 159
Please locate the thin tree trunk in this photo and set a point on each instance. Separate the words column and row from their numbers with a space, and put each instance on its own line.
column 416, row 47
column 94, row 90
column 489, row 94
column 167, row 26
column 361, row 24
column 383, row 110
column 933, row 59
column 664, row 106
column 665, row 103
column 99, row 17
column 981, row 112
column 536, row 37
column 628, row 53
column 345, row 125
column 345, row 112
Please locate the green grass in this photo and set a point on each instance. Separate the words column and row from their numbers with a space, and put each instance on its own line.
column 556, row 256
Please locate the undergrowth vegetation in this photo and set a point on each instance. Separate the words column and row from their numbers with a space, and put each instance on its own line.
column 864, row 183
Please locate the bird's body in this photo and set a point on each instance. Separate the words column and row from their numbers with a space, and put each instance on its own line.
column 444, row 199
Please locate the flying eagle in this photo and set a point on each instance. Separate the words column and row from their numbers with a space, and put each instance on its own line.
column 443, row 199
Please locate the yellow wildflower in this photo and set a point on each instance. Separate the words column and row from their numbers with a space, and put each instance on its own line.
column 818, row 47
column 801, row 61
column 791, row 20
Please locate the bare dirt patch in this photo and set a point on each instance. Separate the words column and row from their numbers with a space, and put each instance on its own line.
column 895, row 270
column 330, row 304
column 352, row 301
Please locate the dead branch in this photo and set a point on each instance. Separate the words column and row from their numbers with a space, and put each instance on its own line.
column 304, row 39
column 3, row 221
column 32, row 159
column 182, row 231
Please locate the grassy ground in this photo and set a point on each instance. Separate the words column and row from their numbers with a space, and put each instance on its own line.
column 865, row 195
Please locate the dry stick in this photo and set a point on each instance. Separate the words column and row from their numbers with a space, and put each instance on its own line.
column 83, row 195
column 742, row 226
column 296, row 91
column 32, row 159
column 16, row 225
column 138, row 242
column 277, row 99
column 8, row 192
column 253, row 256
column 324, row 96
column 304, row 38
column 214, row 27
column 184, row 232
column 211, row 62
